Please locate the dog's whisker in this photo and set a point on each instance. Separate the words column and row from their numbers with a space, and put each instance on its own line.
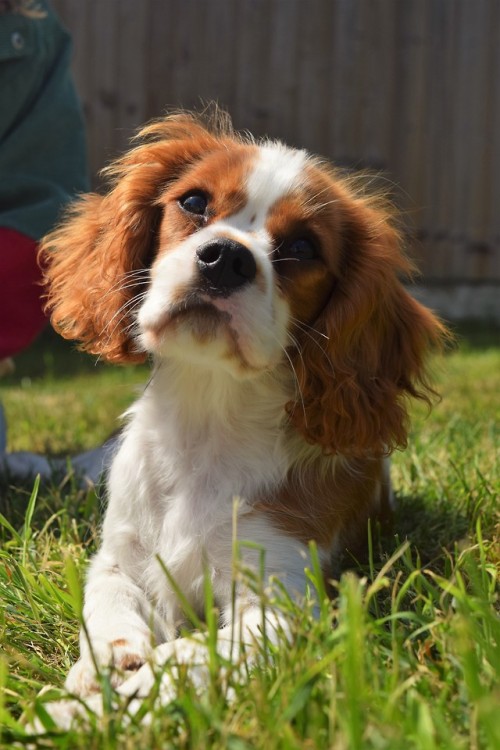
column 317, row 343
column 294, row 372
column 123, row 285
column 301, row 324
column 121, row 313
column 123, row 310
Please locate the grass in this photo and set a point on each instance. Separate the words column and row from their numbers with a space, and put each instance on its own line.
column 407, row 656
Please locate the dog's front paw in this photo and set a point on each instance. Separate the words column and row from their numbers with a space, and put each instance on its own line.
column 190, row 653
column 118, row 658
column 67, row 713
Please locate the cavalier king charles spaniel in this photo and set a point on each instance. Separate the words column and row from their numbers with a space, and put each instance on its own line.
column 265, row 288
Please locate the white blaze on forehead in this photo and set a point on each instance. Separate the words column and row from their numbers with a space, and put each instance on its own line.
column 277, row 171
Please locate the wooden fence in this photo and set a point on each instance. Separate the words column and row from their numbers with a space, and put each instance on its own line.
column 410, row 87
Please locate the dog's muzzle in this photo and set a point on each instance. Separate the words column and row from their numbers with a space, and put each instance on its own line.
column 226, row 265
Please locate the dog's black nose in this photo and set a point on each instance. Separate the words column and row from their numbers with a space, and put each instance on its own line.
column 226, row 265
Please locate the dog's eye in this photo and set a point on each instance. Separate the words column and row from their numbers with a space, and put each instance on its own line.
column 301, row 248
column 194, row 203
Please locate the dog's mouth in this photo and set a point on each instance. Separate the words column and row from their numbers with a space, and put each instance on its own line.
column 202, row 317
column 199, row 316
column 204, row 330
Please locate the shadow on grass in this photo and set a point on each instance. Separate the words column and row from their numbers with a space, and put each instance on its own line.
column 431, row 528
column 434, row 531
column 61, row 505
column 476, row 336
column 51, row 356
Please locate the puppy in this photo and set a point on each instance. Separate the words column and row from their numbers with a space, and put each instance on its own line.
column 264, row 286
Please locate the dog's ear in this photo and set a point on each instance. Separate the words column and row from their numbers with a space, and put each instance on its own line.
column 96, row 261
column 368, row 351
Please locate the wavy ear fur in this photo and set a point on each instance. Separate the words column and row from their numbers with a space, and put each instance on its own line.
column 94, row 259
column 371, row 344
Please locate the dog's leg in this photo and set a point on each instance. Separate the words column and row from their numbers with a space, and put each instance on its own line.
column 238, row 643
column 119, row 628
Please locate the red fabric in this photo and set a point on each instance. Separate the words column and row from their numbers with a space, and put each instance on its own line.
column 21, row 314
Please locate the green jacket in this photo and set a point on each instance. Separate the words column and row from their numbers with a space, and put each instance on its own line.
column 42, row 139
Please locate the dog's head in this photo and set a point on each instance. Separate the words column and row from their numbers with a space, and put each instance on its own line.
column 215, row 249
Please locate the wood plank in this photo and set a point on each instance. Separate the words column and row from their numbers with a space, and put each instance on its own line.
column 314, row 73
column 160, row 58
column 131, row 80
column 409, row 117
column 284, row 64
column 347, row 82
column 253, row 106
column 467, row 134
column 492, row 147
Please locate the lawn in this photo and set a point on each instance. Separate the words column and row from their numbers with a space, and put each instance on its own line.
column 408, row 654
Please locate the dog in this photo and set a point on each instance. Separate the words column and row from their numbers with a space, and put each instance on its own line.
column 265, row 287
